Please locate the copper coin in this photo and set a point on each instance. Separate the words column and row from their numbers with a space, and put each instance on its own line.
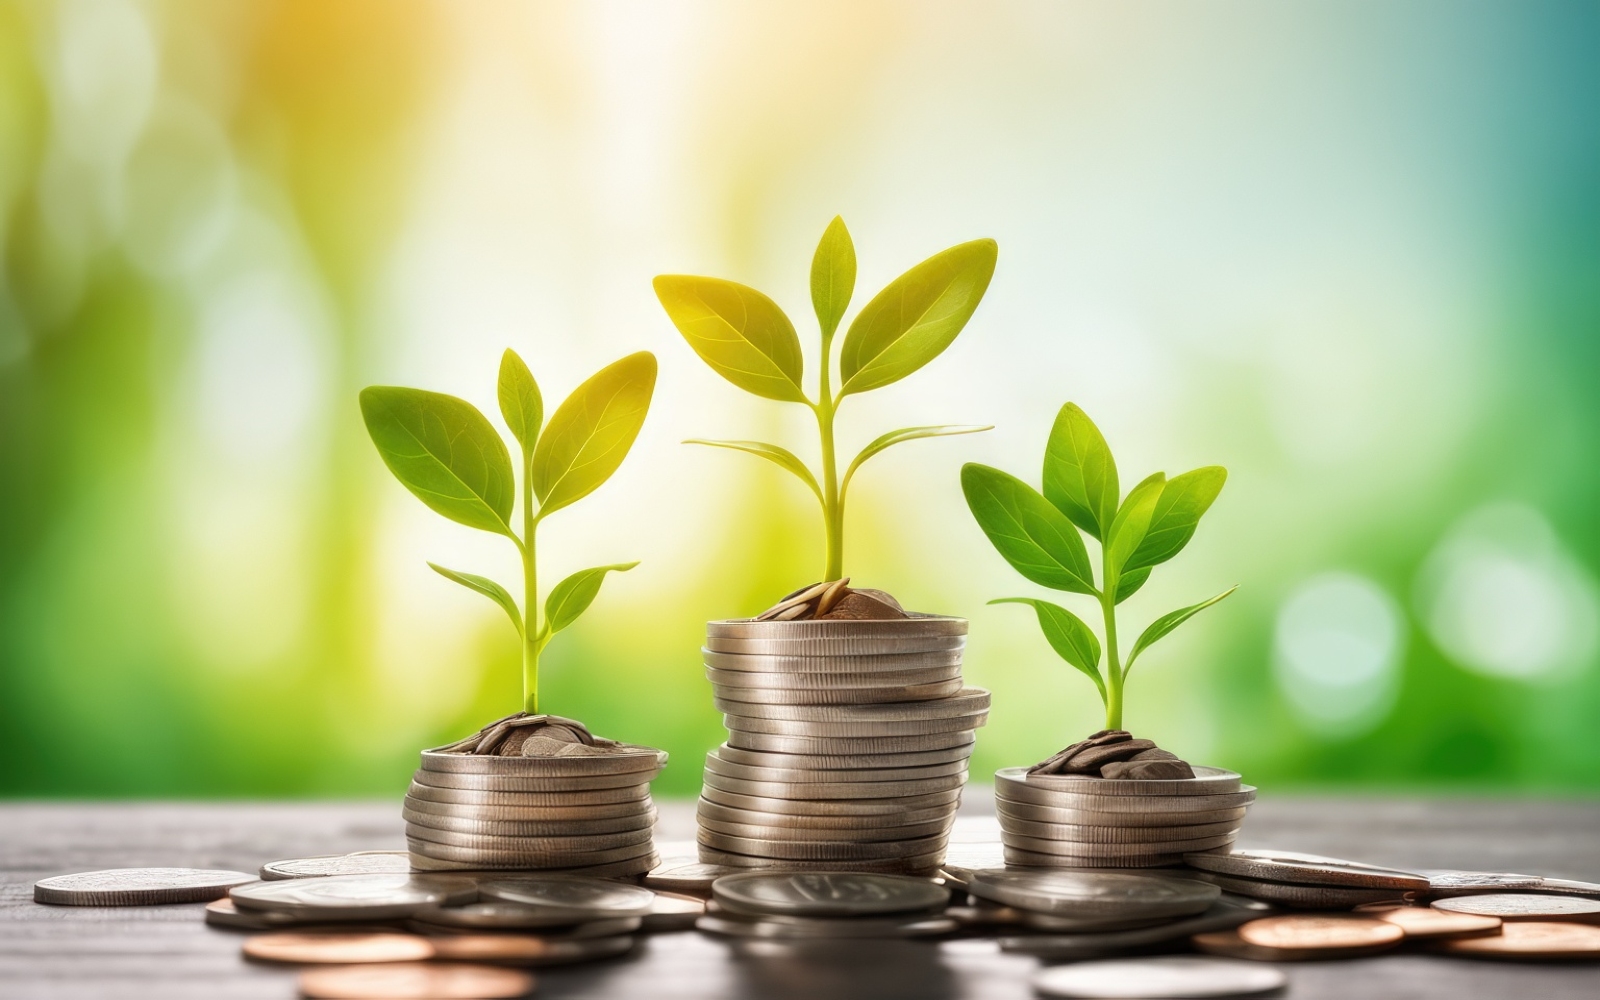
column 1315, row 935
column 1424, row 922
column 527, row 949
column 336, row 948
column 1231, row 945
column 1531, row 941
column 1523, row 906
column 414, row 981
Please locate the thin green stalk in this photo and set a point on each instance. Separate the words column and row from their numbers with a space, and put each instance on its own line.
column 1108, row 607
column 832, row 505
column 530, row 599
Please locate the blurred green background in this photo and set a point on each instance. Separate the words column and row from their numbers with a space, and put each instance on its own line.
column 1350, row 251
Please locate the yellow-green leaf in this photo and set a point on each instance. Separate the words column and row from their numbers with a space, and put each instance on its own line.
column 772, row 453
column 833, row 275
column 485, row 586
column 1080, row 476
column 520, row 402
column 572, row 596
column 738, row 331
column 445, row 452
column 591, row 431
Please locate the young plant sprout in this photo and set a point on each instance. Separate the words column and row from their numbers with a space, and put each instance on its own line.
column 747, row 339
column 445, row 451
column 1038, row 534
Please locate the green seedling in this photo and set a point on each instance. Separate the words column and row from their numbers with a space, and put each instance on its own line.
column 747, row 339
column 1038, row 534
column 445, row 451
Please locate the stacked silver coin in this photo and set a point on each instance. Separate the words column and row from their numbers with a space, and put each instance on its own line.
column 1080, row 821
column 588, row 814
column 847, row 743
column 812, row 905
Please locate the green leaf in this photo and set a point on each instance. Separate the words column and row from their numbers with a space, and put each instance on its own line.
column 520, row 402
column 591, row 431
column 572, row 596
column 1034, row 537
column 1132, row 521
column 445, row 452
column 1067, row 634
column 772, row 453
column 833, row 275
column 1183, row 500
column 739, row 332
column 915, row 317
column 904, row 434
column 485, row 586
column 1129, row 583
column 1080, row 476
column 1166, row 623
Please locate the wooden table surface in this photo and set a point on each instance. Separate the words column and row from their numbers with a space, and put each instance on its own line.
column 168, row 952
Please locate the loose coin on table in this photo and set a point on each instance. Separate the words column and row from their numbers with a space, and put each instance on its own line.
column 222, row 913
column 358, row 863
column 1094, row 894
column 688, row 877
column 414, row 981
column 673, row 912
column 1423, row 922
column 528, row 949
column 138, row 886
column 1305, row 869
column 1313, row 897
column 354, row 897
column 1168, row 976
column 1524, row 906
column 1225, row 914
column 827, row 894
column 337, row 948
column 497, row 915
column 734, row 925
column 1308, row 935
column 570, row 896
column 1531, row 941
column 1443, row 882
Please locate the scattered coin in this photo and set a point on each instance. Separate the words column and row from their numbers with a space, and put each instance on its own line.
column 1524, row 906
column 138, row 886
column 688, row 878
column 985, row 914
column 222, row 913
column 1444, row 882
column 1167, row 976
column 1094, row 894
column 1572, row 886
column 827, row 894
column 815, row 927
column 337, row 948
column 1535, row 941
column 359, row 863
column 1425, row 922
column 1307, row 935
column 475, row 917
column 673, row 912
column 1225, row 914
column 354, row 897
column 414, row 981
column 1305, row 869
column 1308, row 897
column 570, row 896
column 527, row 949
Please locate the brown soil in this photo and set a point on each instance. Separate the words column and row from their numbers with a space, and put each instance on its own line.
column 834, row 601
column 524, row 735
column 1114, row 753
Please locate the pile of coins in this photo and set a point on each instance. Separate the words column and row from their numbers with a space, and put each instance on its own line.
column 811, row 905
column 587, row 814
column 1079, row 821
column 847, row 743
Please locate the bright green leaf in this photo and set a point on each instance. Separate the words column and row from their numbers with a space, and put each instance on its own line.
column 1132, row 521
column 572, row 596
column 833, row 275
column 485, row 586
column 445, row 452
column 893, row 438
column 772, row 453
column 591, row 431
column 915, row 317
column 1129, row 583
column 1067, row 634
column 1166, row 623
column 1080, row 476
column 738, row 331
column 1027, row 530
column 1183, row 500
column 520, row 402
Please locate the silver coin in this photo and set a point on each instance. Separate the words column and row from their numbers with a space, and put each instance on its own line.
column 222, row 913
column 523, row 783
column 943, row 813
column 530, row 828
column 636, row 809
column 832, row 807
column 1018, row 858
column 915, row 626
column 1094, row 894
column 840, row 648
column 730, row 682
column 354, row 897
column 1163, row 976
column 554, row 845
column 835, row 762
column 1113, row 834
column 814, row 929
column 358, row 863
column 1306, row 869
column 811, row 790
column 970, row 701
column 485, row 857
column 828, row 894
column 573, row 896
column 976, row 856
column 687, row 878
column 1567, row 885
column 463, row 796
column 1308, row 897
column 847, row 745
column 1109, row 852
column 1524, row 906
column 1030, row 813
column 805, row 775
column 636, row 759
column 1444, row 882
column 860, row 664
column 497, row 915
column 892, row 866
column 865, row 834
column 815, row 850
column 1225, row 914
column 1138, row 804
column 475, row 867
column 1206, row 781
column 673, row 912
column 138, row 886
column 891, row 694
column 856, row 730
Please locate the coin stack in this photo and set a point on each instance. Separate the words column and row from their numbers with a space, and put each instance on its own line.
column 847, row 743
column 811, row 905
column 586, row 814
column 1079, row 821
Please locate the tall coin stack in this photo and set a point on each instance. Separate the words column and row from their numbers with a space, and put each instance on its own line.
column 847, row 743
column 1080, row 821
column 582, row 814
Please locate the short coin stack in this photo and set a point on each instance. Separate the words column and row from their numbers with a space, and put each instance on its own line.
column 810, row 905
column 589, row 814
column 1078, row 821
column 847, row 743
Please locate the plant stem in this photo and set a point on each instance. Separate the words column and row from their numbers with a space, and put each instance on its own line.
column 832, row 504
column 1108, row 607
column 530, row 598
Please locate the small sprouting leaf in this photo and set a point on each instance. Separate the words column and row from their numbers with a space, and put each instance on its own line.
column 572, row 596
column 1031, row 534
column 904, row 434
column 445, row 452
column 520, row 402
column 485, row 586
column 772, row 453
column 1067, row 634
column 1080, row 476
column 1129, row 583
column 915, row 317
column 591, row 431
column 1183, row 500
column 1166, row 623
column 833, row 275
column 1132, row 521
column 738, row 331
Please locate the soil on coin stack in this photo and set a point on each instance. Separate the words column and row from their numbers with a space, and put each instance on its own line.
column 834, row 601
column 524, row 735
column 1114, row 753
